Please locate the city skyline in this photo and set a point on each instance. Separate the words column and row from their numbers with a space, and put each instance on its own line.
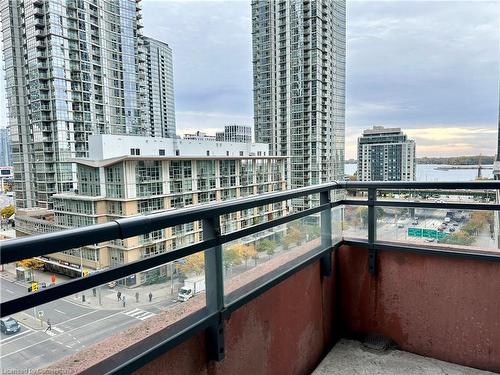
column 470, row 65
column 457, row 103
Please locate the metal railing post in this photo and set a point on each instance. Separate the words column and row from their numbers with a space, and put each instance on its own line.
column 372, row 228
column 326, row 234
column 214, row 288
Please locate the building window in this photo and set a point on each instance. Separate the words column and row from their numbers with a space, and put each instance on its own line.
column 150, row 205
column 148, row 178
column 161, row 152
column 114, row 181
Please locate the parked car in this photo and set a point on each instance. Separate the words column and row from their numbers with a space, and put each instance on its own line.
column 455, row 224
column 430, row 239
column 452, row 229
column 9, row 325
column 401, row 225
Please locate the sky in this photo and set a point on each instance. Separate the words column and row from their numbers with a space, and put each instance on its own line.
column 431, row 68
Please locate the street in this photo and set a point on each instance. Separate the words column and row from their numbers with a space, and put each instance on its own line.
column 74, row 327
column 392, row 228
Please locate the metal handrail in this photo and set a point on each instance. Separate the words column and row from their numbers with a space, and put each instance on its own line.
column 209, row 214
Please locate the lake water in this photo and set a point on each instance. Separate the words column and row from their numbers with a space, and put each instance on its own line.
column 427, row 172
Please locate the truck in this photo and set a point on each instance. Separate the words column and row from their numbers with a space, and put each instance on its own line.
column 192, row 286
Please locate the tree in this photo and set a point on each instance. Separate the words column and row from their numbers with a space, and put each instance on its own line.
column 31, row 263
column 313, row 231
column 231, row 256
column 458, row 238
column 293, row 236
column 264, row 245
column 363, row 214
column 245, row 252
column 267, row 246
column 7, row 211
column 194, row 263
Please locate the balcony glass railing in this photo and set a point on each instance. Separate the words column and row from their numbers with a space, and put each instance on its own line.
column 222, row 268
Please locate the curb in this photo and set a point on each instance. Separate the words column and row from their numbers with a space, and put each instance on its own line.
column 28, row 321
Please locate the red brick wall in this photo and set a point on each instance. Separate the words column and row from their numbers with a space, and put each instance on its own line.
column 441, row 307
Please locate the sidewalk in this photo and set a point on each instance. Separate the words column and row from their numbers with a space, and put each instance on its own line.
column 108, row 296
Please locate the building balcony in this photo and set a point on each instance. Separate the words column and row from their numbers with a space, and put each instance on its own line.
column 340, row 271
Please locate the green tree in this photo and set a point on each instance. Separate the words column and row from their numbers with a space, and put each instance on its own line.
column 313, row 231
column 265, row 244
column 363, row 214
column 458, row 238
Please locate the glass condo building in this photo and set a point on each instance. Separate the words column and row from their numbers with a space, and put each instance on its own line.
column 299, row 86
column 73, row 68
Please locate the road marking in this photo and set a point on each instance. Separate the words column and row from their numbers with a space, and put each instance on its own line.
column 50, row 333
column 8, row 290
column 79, row 316
column 139, row 314
column 60, row 312
column 74, row 329
column 58, row 329
column 8, row 340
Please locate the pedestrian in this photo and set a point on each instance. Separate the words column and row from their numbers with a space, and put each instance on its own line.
column 136, row 296
column 49, row 326
column 118, row 295
column 150, row 296
column 123, row 299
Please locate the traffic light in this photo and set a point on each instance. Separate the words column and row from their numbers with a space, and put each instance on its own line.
column 34, row 286
column 85, row 273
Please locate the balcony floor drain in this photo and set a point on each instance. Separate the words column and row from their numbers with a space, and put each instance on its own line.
column 377, row 342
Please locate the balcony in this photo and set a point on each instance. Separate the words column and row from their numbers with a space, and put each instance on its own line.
column 283, row 315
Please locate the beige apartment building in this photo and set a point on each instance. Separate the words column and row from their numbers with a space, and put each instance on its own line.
column 139, row 176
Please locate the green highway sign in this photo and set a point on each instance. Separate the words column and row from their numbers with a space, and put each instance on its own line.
column 415, row 232
column 441, row 235
column 427, row 233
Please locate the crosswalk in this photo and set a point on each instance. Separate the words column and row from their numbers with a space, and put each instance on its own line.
column 54, row 331
column 139, row 314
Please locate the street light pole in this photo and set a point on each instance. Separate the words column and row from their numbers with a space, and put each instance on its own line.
column 81, row 263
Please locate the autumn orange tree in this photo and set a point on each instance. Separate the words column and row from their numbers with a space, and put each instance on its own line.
column 231, row 256
column 31, row 263
column 7, row 211
column 194, row 263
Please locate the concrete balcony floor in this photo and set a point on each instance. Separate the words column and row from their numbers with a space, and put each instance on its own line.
column 352, row 357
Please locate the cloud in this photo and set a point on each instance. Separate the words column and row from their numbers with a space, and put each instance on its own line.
column 439, row 140
column 432, row 62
